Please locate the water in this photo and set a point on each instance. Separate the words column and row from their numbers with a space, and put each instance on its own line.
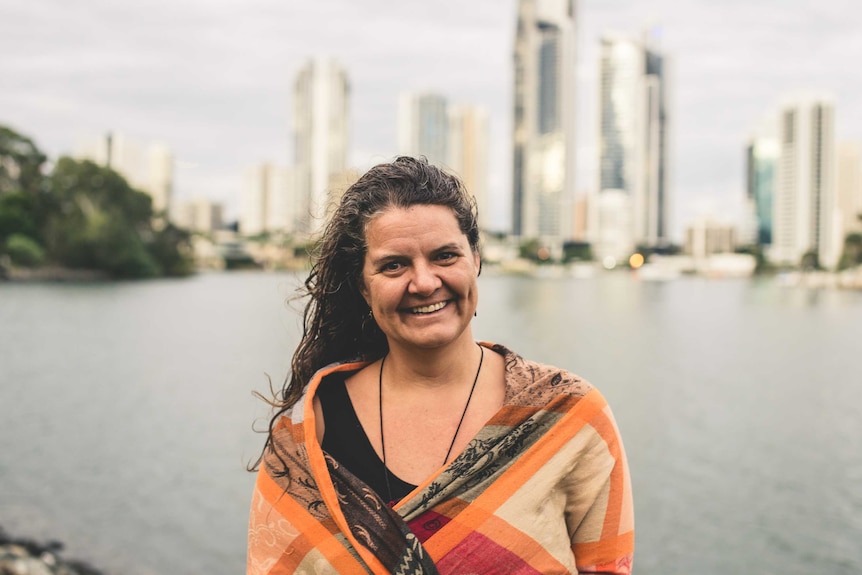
column 127, row 413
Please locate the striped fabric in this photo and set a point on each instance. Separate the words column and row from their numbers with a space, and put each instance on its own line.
column 542, row 489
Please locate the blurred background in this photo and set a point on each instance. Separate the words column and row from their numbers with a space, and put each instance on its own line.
column 670, row 197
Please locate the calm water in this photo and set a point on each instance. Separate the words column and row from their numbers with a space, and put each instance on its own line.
column 126, row 413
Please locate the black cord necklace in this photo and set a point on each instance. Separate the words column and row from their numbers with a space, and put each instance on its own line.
column 457, row 429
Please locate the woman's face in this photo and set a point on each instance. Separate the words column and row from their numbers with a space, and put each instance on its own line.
column 419, row 277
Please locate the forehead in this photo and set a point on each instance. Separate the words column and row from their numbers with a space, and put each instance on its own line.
column 425, row 223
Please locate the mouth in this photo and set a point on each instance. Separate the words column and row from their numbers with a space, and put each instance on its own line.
column 426, row 309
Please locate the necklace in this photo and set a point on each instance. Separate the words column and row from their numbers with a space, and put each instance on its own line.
column 457, row 429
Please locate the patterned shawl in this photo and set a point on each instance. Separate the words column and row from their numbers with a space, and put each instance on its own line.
column 543, row 488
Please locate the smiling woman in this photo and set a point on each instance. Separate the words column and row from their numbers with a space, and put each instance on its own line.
column 419, row 277
column 402, row 445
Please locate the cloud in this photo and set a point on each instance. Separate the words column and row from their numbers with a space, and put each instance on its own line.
column 213, row 79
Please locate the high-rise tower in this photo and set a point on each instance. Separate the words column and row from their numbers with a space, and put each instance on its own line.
column 848, row 187
column 633, row 146
column 467, row 153
column 805, row 218
column 423, row 126
column 544, row 106
column 762, row 153
column 320, row 131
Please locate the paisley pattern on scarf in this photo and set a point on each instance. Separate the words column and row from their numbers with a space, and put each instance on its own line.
column 543, row 488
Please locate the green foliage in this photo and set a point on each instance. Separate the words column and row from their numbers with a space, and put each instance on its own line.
column 530, row 249
column 24, row 202
column 101, row 222
column 762, row 265
column 24, row 251
column 171, row 247
column 851, row 256
column 662, row 250
column 81, row 215
column 18, row 215
column 810, row 261
column 577, row 252
column 20, row 163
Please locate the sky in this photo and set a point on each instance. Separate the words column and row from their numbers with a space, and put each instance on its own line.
column 213, row 79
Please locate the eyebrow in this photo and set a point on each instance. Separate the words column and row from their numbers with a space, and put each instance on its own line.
column 390, row 257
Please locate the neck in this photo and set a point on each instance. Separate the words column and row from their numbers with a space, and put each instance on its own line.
column 433, row 367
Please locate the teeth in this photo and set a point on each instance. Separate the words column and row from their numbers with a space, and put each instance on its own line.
column 429, row 308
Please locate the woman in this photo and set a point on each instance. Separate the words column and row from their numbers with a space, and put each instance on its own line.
column 403, row 446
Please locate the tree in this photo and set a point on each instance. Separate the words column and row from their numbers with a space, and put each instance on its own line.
column 851, row 256
column 171, row 247
column 810, row 261
column 101, row 221
column 81, row 215
column 21, row 163
column 577, row 251
column 24, row 203
column 24, row 251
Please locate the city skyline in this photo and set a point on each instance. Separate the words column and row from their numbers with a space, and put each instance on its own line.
column 214, row 81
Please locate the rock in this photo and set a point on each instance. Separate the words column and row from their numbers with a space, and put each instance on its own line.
column 27, row 557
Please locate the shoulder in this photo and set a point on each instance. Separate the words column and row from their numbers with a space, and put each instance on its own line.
column 529, row 383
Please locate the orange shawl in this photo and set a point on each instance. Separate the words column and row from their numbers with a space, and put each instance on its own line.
column 543, row 488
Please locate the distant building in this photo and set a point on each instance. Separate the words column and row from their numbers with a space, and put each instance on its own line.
column 707, row 237
column 633, row 139
column 160, row 179
column 762, row 154
column 338, row 184
column 199, row 215
column 423, row 126
column 467, row 153
column 805, row 218
column 579, row 217
column 321, row 121
column 849, row 187
column 452, row 136
column 146, row 167
column 269, row 200
column 613, row 238
column 544, row 120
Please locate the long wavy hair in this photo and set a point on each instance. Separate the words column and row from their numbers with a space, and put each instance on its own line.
column 337, row 325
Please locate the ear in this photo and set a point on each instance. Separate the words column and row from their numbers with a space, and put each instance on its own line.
column 363, row 291
column 478, row 261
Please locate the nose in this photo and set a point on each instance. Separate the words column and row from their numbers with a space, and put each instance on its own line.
column 424, row 281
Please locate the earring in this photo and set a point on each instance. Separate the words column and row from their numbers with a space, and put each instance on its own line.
column 365, row 321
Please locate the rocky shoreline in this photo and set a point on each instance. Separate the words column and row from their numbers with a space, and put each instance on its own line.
column 20, row 556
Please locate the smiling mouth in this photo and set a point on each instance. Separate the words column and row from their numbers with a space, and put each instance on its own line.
column 428, row 308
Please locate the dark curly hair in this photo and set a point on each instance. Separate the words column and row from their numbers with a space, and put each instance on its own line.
column 336, row 322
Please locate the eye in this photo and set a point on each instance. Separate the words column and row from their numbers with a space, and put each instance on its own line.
column 446, row 256
column 390, row 267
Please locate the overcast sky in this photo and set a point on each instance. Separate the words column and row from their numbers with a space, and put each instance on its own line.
column 212, row 79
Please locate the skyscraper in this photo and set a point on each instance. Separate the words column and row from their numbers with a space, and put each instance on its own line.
column 762, row 155
column 467, row 153
column 544, row 105
column 849, row 187
column 320, row 130
column 255, row 200
column 423, row 126
column 453, row 136
column 269, row 200
column 805, row 219
column 160, row 179
column 633, row 142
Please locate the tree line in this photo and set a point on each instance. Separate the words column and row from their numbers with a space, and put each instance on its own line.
column 79, row 215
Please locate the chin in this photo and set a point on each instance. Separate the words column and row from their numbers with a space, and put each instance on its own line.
column 432, row 341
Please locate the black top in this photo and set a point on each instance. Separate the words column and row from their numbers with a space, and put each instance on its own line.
column 346, row 441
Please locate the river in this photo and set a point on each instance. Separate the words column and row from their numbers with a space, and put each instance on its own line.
column 127, row 415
